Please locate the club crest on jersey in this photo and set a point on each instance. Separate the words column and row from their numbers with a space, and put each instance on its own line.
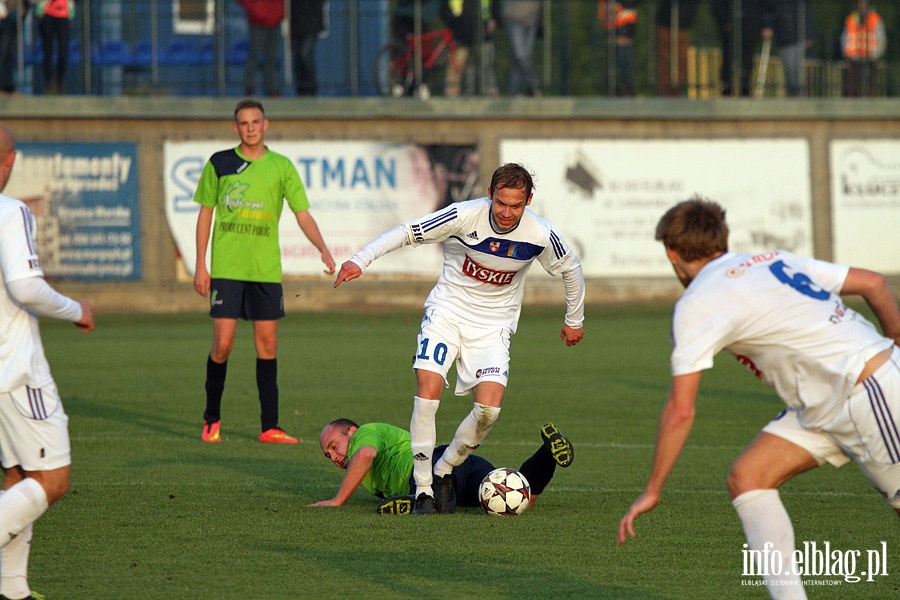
column 494, row 246
column 485, row 275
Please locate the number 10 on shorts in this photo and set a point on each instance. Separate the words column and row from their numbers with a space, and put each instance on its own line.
column 439, row 355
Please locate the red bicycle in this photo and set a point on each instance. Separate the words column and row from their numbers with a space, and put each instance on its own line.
column 395, row 65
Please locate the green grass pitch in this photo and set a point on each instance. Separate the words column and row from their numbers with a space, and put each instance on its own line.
column 154, row 513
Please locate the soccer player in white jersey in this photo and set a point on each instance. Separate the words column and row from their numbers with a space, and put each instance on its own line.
column 471, row 314
column 34, row 437
column 782, row 317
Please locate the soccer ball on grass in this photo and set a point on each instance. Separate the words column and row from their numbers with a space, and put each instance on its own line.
column 504, row 493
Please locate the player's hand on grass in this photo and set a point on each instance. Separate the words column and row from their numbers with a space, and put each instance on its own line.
column 571, row 335
column 331, row 502
column 645, row 503
column 349, row 271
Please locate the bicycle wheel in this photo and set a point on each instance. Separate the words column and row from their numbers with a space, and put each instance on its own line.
column 392, row 75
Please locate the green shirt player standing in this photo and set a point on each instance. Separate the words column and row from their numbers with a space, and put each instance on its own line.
column 246, row 187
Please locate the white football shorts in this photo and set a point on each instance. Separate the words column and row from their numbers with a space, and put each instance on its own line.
column 867, row 430
column 34, row 429
column 480, row 353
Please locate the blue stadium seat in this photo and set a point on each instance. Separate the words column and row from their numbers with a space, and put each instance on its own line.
column 236, row 53
column 115, row 53
column 181, row 52
column 206, row 52
column 74, row 52
column 143, row 53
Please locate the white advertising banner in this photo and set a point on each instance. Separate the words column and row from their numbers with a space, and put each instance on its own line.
column 606, row 196
column 357, row 190
column 865, row 203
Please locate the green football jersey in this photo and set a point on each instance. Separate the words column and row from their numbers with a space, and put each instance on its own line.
column 392, row 468
column 248, row 197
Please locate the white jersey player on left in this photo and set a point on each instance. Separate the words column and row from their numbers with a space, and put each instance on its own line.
column 470, row 315
column 34, row 436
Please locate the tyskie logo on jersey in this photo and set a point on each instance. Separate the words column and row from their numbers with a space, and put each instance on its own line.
column 485, row 275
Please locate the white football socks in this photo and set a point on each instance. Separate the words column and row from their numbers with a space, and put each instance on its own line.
column 473, row 429
column 770, row 533
column 423, row 436
column 14, row 565
column 20, row 506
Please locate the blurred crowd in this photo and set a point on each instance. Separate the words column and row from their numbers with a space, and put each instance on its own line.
column 634, row 47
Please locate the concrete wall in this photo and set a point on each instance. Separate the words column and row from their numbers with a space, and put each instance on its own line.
column 149, row 122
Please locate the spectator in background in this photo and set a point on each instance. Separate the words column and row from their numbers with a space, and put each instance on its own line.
column 863, row 42
column 790, row 23
column 54, row 17
column 621, row 18
column 487, row 72
column 740, row 57
column 9, row 36
column 307, row 26
column 522, row 19
column 674, row 20
column 264, row 19
column 470, row 30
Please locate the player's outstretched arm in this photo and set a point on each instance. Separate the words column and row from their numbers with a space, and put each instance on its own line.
column 349, row 271
column 675, row 424
column 359, row 465
column 572, row 335
column 645, row 503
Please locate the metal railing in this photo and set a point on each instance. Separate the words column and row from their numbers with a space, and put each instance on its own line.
column 199, row 47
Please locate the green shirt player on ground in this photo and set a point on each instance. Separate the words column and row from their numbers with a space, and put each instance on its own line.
column 377, row 456
column 245, row 188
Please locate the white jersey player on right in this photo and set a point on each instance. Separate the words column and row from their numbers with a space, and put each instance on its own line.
column 472, row 312
column 782, row 316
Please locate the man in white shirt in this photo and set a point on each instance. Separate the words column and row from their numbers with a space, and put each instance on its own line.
column 783, row 318
column 472, row 312
column 34, row 438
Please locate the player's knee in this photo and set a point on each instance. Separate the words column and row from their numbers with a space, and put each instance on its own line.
column 741, row 480
column 221, row 350
column 55, row 486
column 266, row 347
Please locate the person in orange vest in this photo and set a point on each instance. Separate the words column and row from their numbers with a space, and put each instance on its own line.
column 621, row 19
column 863, row 42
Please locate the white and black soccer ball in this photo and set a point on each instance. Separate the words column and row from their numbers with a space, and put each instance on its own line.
column 504, row 493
